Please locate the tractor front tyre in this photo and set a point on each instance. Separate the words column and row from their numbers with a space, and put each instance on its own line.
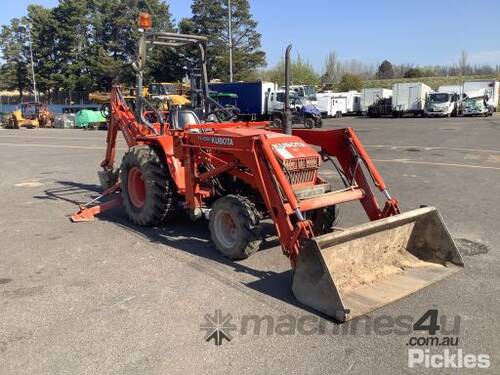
column 235, row 228
column 277, row 123
column 319, row 123
column 148, row 191
column 309, row 123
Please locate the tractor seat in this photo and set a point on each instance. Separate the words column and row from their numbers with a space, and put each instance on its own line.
column 179, row 117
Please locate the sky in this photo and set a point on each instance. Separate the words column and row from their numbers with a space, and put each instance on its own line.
column 420, row 32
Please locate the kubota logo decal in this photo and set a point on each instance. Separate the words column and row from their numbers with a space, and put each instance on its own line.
column 225, row 141
column 278, row 146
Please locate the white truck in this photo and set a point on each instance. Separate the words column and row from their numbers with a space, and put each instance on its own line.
column 409, row 98
column 455, row 89
column 372, row 95
column 491, row 88
column 331, row 106
column 442, row 104
column 477, row 103
column 307, row 93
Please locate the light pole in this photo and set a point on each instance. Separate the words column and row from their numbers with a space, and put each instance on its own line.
column 230, row 32
column 32, row 65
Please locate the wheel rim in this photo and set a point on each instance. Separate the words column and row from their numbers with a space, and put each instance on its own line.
column 136, row 187
column 225, row 228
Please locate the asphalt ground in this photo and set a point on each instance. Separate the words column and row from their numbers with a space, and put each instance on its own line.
column 107, row 297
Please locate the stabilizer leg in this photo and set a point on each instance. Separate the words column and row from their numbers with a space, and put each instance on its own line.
column 88, row 211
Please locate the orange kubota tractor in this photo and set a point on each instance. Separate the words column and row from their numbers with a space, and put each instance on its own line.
column 238, row 174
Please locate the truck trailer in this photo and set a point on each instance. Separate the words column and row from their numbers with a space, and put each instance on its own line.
column 372, row 95
column 352, row 99
column 409, row 98
column 331, row 106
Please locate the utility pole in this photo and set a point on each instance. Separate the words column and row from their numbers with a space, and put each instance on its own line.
column 32, row 64
column 230, row 32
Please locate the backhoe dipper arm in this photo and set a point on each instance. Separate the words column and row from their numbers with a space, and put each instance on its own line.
column 122, row 118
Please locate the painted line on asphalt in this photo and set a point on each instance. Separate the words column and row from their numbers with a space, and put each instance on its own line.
column 406, row 161
column 46, row 137
column 427, row 148
column 59, row 146
column 430, row 148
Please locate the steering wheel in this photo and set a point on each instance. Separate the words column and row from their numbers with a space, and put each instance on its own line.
column 106, row 110
column 225, row 114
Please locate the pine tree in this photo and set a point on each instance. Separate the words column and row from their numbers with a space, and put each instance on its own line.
column 385, row 70
column 43, row 34
column 115, row 35
column 210, row 18
column 14, row 72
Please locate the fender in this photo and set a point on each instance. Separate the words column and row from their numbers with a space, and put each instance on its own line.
column 175, row 167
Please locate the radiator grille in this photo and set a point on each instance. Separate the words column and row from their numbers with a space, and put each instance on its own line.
column 301, row 176
column 301, row 163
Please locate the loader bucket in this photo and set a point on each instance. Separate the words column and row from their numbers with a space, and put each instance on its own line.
column 349, row 273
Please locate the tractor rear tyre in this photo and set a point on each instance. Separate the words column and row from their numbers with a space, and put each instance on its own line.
column 309, row 123
column 148, row 191
column 235, row 227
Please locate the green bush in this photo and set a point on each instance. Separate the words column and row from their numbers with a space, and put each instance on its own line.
column 350, row 82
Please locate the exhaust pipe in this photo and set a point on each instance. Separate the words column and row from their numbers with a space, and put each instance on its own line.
column 287, row 113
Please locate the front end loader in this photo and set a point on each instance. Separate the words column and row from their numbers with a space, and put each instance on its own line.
column 238, row 174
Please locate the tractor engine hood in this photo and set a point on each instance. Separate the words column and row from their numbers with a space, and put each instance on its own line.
column 288, row 147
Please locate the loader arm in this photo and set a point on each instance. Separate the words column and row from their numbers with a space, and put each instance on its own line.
column 345, row 146
column 266, row 174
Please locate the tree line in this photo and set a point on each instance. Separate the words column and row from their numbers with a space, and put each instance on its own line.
column 87, row 45
column 349, row 74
